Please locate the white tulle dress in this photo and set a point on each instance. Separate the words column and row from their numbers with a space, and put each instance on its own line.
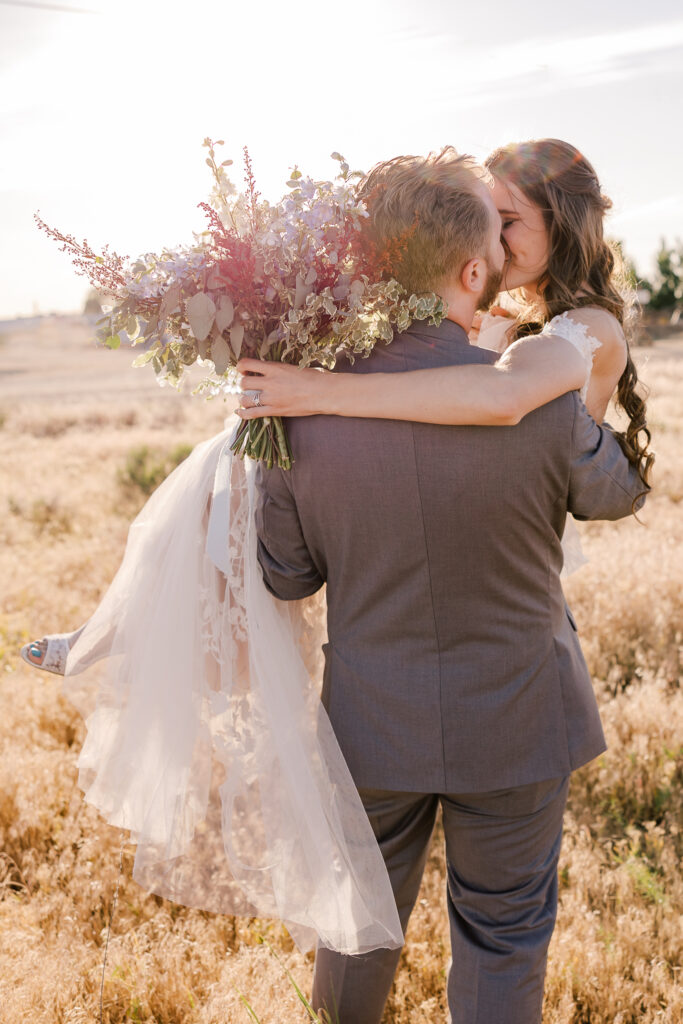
column 206, row 737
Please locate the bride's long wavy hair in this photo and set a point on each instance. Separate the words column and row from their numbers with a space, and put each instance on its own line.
column 584, row 269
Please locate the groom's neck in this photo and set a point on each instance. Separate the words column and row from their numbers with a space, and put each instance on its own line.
column 461, row 305
column 460, row 319
column 461, row 312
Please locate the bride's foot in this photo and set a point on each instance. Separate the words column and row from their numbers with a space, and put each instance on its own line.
column 51, row 652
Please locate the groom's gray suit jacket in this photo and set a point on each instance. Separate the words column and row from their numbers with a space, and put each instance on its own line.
column 453, row 662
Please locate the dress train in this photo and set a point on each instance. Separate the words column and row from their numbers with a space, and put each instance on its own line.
column 206, row 737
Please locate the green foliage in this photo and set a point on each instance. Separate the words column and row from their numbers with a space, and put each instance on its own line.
column 313, row 1017
column 46, row 515
column 646, row 880
column 136, row 1011
column 644, row 792
column 49, row 516
column 250, row 1010
column 145, row 469
column 92, row 304
column 667, row 284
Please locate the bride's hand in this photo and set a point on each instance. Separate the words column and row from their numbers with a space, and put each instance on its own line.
column 284, row 390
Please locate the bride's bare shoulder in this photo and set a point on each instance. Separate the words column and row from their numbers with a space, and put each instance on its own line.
column 609, row 358
column 600, row 324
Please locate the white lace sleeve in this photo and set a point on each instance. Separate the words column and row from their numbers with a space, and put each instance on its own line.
column 563, row 326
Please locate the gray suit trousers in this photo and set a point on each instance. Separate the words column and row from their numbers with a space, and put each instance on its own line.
column 502, row 850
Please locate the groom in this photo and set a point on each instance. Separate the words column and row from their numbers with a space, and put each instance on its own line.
column 454, row 674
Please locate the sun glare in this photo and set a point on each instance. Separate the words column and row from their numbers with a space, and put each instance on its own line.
column 104, row 113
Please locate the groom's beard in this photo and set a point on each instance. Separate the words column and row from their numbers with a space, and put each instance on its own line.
column 490, row 293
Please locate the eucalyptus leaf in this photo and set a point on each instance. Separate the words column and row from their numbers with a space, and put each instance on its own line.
column 220, row 354
column 113, row 341
column 132, row 328
column 224, row 313
column 200, row 311
column 236, row 339
column 384, row 330
column 170, row 303
column 301, row 292
column 144, row 357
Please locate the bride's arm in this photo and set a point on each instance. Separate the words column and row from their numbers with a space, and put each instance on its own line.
column 531, row 372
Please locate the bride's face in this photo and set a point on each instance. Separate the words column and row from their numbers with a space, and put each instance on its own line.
column 524, row 234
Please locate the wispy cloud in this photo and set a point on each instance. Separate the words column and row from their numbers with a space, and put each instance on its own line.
column 646, row 211
column 515, row 70
column 60, row 8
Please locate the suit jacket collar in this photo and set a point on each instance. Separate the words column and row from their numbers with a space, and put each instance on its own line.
column 447, row 331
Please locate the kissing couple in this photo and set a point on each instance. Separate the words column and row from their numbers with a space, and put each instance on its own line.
column 428, row 496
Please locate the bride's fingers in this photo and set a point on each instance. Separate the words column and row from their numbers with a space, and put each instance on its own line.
column 283, row 390
column 268, row 370
column 253, row 399
column 254, row 412
column 260, row 368
column 255, row 366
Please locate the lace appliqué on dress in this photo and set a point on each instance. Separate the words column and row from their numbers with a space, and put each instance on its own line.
column 576, row 333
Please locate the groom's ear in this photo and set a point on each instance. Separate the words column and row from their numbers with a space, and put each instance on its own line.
column 473, row 275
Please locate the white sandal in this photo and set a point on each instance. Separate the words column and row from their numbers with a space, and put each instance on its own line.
column 55, row 650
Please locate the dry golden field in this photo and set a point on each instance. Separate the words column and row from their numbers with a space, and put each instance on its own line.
column 70, row 416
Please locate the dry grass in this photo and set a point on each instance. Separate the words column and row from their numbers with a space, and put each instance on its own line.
column 69, row 422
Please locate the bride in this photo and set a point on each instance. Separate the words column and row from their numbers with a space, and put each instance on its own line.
column 205, row 735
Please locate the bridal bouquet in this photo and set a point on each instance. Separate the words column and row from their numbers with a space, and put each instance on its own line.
column 295, row 281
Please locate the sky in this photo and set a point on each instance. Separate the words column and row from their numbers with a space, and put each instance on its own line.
column 104, row 105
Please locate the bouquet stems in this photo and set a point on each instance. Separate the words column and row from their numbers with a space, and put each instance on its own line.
column 264, row 440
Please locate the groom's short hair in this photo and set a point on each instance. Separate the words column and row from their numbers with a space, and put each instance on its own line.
column 427, row 216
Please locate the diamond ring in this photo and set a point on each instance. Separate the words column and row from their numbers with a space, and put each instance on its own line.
column 254, row 396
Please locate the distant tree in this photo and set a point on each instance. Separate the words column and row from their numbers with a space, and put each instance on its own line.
column 667, row 283
column 93, row 303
